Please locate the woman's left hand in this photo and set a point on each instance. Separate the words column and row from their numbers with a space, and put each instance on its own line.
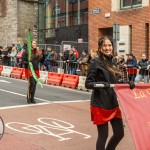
column 39, row 52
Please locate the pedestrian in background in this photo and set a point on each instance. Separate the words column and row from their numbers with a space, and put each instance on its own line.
column 104, row 104
column 83, row 62
column 120, row 64
column 71, row 63
column 144, row 70
column 13, row 56
column 64, row 57
column 131, row 66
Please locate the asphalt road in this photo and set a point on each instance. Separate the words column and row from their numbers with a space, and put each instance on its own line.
column 57, row 105
column 13, row 92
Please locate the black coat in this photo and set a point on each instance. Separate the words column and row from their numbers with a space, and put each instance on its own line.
column 35, row 60
column 72, row 61
column 143, row 64
column 101, row 97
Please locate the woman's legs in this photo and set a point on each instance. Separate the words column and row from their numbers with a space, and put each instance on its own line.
column 146, row 79
column 102, row 136
column 118, row 130
column 138, row 78
column 31, row 90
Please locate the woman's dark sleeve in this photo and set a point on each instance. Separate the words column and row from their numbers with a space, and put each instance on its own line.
column 91, row 78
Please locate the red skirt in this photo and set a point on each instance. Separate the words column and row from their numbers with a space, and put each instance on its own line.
column 28, row 73
column 102, row 116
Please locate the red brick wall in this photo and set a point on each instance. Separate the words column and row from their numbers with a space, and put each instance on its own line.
column 135, row 17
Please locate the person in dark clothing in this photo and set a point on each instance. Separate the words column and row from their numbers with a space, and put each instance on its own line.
column 5, row 57
column 120, row 63
column 104, row 104
column 83, row 62
column 64, row 56
column 1, row 48
column 35, row 59
column 71, row 62
column 131, row 65
column 47, row 60
column 53, row 61
column 143, row 73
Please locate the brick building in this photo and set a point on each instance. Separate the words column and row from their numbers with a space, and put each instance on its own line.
column 126, row 20
column 63, row 20
column 16, row 17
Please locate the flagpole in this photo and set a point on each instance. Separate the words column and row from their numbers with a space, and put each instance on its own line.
column 103, row 85
column 29, row 59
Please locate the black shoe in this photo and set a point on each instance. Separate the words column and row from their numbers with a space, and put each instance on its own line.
column 33, row 101
column 28, row 101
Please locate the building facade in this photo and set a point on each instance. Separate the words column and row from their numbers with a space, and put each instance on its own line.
column 63, row 20
column 127, row 21
column 17, row 17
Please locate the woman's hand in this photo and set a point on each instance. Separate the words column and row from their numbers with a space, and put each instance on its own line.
column 39, row 52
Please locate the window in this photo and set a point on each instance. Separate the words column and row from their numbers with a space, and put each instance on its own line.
column 130, row 3
column 147, row 39
column 56, row 11
column 2, row 8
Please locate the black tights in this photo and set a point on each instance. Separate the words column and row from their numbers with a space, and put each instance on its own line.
column 117, row 126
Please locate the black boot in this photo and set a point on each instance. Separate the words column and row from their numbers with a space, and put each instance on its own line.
column 33, row 101
column 28, row 100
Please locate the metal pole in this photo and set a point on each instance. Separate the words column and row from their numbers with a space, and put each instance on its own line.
column 78, row 18
column 102, row 85
column 67, row 14
column 56, row 14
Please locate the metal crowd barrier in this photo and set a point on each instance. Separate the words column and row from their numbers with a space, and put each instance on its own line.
column 63, row 67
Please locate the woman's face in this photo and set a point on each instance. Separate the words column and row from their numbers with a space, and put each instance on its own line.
column 34, row 44
column 71, row 52
column 107, row 47
column 143, row 56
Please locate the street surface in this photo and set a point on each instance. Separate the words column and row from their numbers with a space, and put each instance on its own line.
column 59, row 121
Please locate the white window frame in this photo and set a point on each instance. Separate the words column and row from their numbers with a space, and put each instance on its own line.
column 129, row 7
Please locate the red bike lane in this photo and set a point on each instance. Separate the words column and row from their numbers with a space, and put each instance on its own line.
column 57, row 126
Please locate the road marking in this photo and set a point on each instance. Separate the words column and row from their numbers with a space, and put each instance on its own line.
column 48, row 85
column 4, row 81
column 43, row 100
column 22, row 106
column 74, row 101
column 48, row 126
column 44, row 103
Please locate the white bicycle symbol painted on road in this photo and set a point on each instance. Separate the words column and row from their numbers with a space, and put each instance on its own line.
column 50, row 127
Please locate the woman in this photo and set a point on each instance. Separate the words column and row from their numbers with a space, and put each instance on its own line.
column 35, row 59
column 143, row 73
column 104, row 105
column 71, row 63
column 13, row 56
column 84, row 62
column 131, row 66
column 120, row 63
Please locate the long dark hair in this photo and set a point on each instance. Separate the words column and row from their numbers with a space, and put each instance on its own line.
column 111, row 68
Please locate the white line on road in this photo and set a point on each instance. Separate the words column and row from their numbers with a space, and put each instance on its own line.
column 22, row 106
column 43, row 100
column 4, row 81
column 75, row 101
column 40, row 104
column 52, row 86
